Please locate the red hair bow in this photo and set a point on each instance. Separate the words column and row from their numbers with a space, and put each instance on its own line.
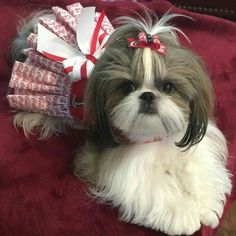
column 147, row 41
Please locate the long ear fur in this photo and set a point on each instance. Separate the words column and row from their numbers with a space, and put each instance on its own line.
column 197, row 125
column 100, row 130
column 201, row 107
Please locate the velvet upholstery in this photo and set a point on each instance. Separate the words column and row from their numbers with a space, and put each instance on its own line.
column 38, row 193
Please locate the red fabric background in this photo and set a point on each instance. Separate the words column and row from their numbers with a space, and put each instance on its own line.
column 38, row 193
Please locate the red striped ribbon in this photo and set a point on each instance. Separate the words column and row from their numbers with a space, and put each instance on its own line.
column 96, row 32
column 53, row 57
column 78, row 87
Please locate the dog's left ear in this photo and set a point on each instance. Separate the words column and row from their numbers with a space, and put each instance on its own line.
column 201, row 106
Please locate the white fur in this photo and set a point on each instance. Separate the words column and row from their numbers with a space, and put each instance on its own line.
column 148, row 65
column 159, row 186
column 161, row 25
column 138, row 126
column 45, row 126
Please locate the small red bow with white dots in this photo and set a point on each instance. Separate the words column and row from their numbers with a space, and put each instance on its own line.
column 147, row 41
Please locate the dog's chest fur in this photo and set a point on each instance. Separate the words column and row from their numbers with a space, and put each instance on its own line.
column 150, row 166
column 154, row 183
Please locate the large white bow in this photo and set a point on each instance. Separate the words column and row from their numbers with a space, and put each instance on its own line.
column 78, row 62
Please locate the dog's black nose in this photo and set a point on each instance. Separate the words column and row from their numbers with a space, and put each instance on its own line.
column 147, row 96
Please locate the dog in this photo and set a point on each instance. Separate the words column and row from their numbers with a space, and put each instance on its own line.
column 153, row 149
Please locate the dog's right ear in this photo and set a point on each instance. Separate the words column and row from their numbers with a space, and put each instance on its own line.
column 96, row 114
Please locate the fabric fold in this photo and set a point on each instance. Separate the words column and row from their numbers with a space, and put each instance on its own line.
column 48, row 82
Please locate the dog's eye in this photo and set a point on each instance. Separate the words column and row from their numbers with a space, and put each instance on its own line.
column 167, row 88
column 127, row 88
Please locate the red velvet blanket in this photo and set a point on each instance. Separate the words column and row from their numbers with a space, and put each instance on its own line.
column 38, row 193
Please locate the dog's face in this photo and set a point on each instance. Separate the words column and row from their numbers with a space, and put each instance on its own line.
column 144, row 94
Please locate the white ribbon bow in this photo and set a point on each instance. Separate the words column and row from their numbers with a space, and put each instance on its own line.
column 78, row 62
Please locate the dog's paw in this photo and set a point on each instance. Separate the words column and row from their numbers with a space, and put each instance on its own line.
column 185, row 222
column 210, row 216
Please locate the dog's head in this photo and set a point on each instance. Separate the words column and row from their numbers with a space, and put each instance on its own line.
column 143, row 93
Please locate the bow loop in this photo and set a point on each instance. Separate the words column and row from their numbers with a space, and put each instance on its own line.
column 60, row 57
column 91, row 39
column 147, row 41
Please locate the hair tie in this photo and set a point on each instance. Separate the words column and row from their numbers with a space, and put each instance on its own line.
column 147, row 41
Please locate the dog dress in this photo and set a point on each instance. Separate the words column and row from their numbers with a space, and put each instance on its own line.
column 60, row 59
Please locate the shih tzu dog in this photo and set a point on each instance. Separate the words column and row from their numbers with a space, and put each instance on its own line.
column 153, row 149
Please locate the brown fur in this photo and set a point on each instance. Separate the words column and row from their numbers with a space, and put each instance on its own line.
column 119, row 63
